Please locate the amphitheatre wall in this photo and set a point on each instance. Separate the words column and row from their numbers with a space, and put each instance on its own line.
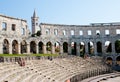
column 94, row 39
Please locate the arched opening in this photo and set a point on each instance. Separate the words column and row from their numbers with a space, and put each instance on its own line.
column 73, row 48
column 40, row 47
column 99, row 47
column 23, row 46
column 90, row 48
column 33, row 47
column 5, row 47
column 118, row 61
column 117, row 46
column 82, row 49
column 108, row 47
column 57, row 47
column 109, row 61
column 15, row 47
column 97, row 32
column 65, row 47
column 49, row 47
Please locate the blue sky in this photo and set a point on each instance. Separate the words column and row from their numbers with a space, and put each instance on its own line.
column 71, row 12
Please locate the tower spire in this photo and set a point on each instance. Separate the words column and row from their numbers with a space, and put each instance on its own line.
column 34, row 14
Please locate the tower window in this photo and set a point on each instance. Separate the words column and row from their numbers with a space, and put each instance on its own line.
column 36, row 23
column 32, row 24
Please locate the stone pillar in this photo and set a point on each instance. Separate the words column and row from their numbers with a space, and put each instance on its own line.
column 28, row 48
column 53, row 49
column 19, row 49
column 44, row 49
column 103, row 48
column 10, row 48
column 78, row 50
column 37, row 51
column 69, row 49
column 113, row 48
column 95, row 48
column 61, row 49
column 1, row 48
column 86, row 47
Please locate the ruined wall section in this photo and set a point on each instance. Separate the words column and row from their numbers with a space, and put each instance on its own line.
column 87, row 30
column 14, row 27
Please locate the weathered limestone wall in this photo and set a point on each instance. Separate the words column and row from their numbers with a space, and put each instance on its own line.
column 12, row 29
column 19, row 25
column 112, row 36
column 57, row 33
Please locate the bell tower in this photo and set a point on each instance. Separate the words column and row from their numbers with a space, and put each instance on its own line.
column 35, row 23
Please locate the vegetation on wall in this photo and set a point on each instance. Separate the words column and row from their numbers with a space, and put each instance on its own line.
column 117, row 44
column 36, row 34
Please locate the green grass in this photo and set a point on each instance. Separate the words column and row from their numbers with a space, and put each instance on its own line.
column 44, row 54
column 17, row 55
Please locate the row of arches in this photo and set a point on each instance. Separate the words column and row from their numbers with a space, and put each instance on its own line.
column 33, row 47
column 72, row 48
column 49, row 46
column 110, row 61
column 92, row 47
column 15, row 47
column 6, row 47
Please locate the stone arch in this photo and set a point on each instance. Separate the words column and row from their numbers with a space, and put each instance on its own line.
column 23, row 46
column 108, row 47
column 33, row 47
column 117, row 46
column 5, row 46
column 74, row 48
column 49, row 47
column 99, row 47
column 65, row 47
column 90, row 48
column 15, row 47
column 109, row 61
column 57, row 47
column 82, row 49
column 40, row 47
column 118, row 60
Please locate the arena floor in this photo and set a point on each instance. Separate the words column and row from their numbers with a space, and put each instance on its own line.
column 112, row 77
column 116, row 79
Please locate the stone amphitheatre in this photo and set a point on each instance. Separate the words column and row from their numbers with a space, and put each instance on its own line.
column 86, row 53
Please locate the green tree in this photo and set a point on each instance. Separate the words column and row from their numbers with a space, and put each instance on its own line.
column 38, row 33
column 33, row 35
column 117, row 46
